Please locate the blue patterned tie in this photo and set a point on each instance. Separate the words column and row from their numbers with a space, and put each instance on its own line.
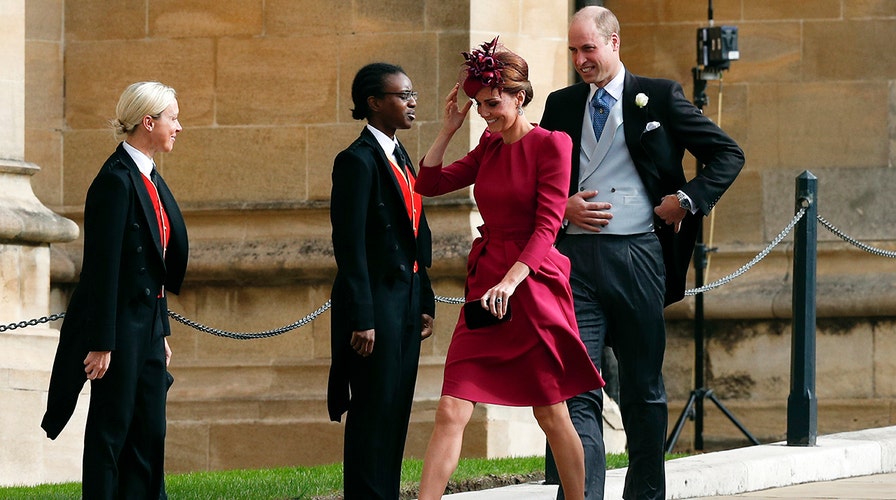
column 601, row 103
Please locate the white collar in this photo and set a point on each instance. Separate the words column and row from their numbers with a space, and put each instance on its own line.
column 144, row 163
column 387, row 143
column 614, row 87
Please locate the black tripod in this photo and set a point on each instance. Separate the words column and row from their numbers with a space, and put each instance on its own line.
column 694, row 407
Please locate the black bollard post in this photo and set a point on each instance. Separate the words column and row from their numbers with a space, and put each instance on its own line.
column 802, row 405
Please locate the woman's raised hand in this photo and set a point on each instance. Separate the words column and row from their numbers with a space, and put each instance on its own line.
column 454, row 118
column 454, row 114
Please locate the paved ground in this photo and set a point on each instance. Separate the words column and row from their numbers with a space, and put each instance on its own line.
column 853, row 465
column 878, row 486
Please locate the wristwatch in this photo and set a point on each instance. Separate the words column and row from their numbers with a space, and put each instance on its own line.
column 683, row 201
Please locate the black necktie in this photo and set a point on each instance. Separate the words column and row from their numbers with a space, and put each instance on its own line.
column 400, row 158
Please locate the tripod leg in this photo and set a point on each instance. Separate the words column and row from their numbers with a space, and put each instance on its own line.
column 679, row 424
column 732, row 418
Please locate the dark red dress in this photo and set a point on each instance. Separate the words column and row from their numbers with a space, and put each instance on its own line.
column 537, row 358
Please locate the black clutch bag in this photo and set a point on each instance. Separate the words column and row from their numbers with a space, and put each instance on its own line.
column 477, row 317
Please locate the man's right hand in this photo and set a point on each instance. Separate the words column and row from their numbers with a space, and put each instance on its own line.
column 588, row 215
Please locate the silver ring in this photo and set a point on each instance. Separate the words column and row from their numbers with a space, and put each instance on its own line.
column 498, row 300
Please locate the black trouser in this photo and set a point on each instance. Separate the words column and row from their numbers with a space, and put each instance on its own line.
column 382, row 393
column 618, row 285
column 124, row 440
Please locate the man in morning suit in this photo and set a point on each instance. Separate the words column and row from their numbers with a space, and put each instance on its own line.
column 382, row 301
column 631, row 225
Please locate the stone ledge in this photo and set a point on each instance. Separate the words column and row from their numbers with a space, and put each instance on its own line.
column 774, row 465
column 23, row 218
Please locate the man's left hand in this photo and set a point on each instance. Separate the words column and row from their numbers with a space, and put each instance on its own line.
column 670, row 211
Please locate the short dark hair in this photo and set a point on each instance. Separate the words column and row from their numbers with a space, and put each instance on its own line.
column 369, row 81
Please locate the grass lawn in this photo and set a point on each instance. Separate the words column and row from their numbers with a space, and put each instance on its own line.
column 323, row 482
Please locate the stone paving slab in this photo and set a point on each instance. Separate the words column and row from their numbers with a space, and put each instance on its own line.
column 874, row 487
column 869, row 454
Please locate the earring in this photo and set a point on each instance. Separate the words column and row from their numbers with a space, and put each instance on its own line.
column 519, row 110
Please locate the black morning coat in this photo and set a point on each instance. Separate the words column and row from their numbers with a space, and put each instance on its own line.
column 122, row 273
column 373, row 279
column 658, row 155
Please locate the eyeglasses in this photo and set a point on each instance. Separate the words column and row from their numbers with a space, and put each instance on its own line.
column 405, row 96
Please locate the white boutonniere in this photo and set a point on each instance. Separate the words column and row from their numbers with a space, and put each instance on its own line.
column 641, row 100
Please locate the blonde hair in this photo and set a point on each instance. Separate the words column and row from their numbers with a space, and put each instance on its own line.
column 138, row 100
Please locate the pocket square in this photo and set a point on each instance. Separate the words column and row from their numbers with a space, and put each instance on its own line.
column 651, row 126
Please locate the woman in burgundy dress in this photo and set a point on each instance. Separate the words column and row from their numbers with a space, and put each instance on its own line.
column 521, row 175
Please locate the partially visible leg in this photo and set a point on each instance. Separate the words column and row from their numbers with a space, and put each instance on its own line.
column 586, row 413
column 375, row 426
column 610, row 373
column 142, row 460
column 109, row 418
column 586, row 409
column 443, row 450
column 104, row 436
column 566, row 446
column 640, row 341
column 365, row 469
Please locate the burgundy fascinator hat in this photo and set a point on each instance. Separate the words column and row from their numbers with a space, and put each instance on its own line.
column 483, row 70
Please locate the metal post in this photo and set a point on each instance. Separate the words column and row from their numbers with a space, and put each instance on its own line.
column 802, row 405
column 700, row 262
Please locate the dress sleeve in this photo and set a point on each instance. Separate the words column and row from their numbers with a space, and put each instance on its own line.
column 551, row 186
column 438, row 180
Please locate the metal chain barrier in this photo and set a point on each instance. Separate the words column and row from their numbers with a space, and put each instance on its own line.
column 450, row 300
column 746, row 267
column 250, row 336
column 215, row 331
column 278, row 331
column 460, row 300
column 852, row 241
column 31, row 322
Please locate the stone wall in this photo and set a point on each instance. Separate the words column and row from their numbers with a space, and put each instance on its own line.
column 264, row 97
column 27, row 228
